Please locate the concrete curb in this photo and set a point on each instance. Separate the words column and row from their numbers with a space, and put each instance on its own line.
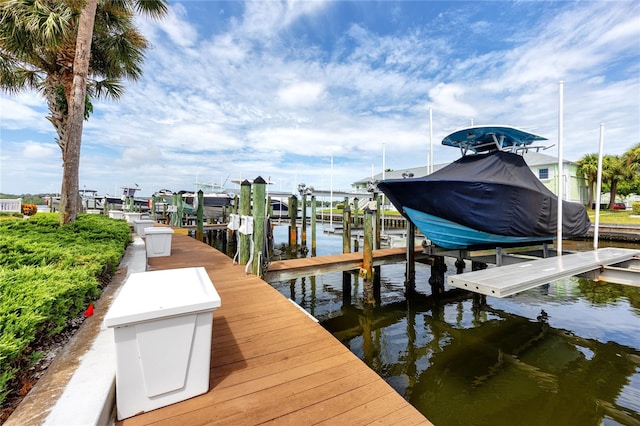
column 79, row 387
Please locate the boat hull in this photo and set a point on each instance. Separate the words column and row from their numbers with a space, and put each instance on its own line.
column 450, row 235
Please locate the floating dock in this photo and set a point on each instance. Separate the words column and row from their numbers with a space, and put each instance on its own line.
column 507, row 280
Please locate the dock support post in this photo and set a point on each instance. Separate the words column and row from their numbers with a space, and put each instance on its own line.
column 378, row 226
column 259, row 213
column 346, row 230
column 438, row 268
column 410, row 274
column 460, row 262
column 303, row 230
column 293, row 216
column 200, row 215
column 354, row 212
column 313, row 225
column 346, row 289
column 367, row 260
column 245, row 210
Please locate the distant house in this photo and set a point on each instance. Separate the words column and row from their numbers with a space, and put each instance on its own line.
column 545, row 167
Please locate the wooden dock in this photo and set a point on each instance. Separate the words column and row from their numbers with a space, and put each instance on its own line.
column 271, row 362
column 308, row 266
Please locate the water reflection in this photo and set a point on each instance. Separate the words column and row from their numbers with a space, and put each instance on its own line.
column 567, row 353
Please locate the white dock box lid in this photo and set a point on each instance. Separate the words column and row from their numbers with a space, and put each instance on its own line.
column 148, row 296
column 158, row 230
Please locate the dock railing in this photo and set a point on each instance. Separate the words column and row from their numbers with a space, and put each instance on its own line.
column 13, row 205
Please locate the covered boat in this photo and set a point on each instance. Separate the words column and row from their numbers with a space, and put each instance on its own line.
column 490, row 198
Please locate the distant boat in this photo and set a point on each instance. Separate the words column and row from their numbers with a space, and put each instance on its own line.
column 128, row 192
column 487, row 198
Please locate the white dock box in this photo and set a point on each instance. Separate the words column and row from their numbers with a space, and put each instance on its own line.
column 140, row 224
column 131, row 216
column 162, row 324
column 116, row 214
column 158, row 241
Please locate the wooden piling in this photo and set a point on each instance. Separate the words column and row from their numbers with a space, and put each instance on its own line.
column 438, row 268
column 293, row 226
column 303, row 231
column 200, row 215
column 378, row 225
column 313, row 225
column 410, row 273
column 346, row 229
column 259, row 216
column 367, row 259
column 245, row 210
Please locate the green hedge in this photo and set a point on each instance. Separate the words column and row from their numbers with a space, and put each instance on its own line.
column 48, row 275
column 635, row 208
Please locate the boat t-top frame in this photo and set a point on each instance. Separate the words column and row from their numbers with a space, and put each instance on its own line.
column 489, row 138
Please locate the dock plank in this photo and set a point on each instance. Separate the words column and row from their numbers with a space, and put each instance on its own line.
column 272, row 363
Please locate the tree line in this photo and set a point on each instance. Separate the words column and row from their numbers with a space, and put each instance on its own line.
column 620, row 174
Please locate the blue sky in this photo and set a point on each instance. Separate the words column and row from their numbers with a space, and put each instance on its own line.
column 235, row 90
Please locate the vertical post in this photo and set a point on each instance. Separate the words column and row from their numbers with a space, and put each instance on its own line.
column 354, row 212
column 259, row 214
column 245, row 210
column 367, row 259
column 199, row 215
column 313, row 225
column 410, row 274
column 303, row 227
column 346, row 229
column 560, row 167
column 378, row 220
column 438, row 268
column 293, row 226
column 596, row 228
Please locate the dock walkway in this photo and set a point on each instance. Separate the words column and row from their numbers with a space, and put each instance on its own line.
column 303, row 267
column 271, row 362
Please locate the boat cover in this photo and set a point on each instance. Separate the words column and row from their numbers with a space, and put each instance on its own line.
column 495, row 192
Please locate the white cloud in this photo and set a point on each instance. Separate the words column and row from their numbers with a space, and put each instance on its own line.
column 36, row 151
column 302, row 94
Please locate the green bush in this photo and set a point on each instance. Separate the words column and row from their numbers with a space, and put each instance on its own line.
column 635, row 208
column 49, row 273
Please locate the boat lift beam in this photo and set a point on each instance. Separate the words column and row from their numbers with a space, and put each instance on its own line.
column 507, row 280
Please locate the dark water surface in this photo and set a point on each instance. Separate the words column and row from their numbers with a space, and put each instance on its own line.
column 567, row 353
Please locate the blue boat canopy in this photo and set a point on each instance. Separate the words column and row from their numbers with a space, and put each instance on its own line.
column 493, row 138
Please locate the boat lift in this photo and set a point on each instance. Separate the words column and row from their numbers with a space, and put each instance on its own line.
column 614, row 265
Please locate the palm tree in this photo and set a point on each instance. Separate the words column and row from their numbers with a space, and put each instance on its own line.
column 588, row 168
column 632, row 158
column 81, row 67
column 613, row 171
column 38, row 51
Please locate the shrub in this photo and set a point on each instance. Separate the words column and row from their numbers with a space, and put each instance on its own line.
column 48, row 275
column 635, row 208
column 29, row 209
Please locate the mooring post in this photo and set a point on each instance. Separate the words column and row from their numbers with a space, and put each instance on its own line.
column 366, row 272
column 259, row 215
column 303, row 230
column 410, row 274
column 460, row 263
column 378, row 220
column 354, row 212
column 200, row 215
column 313, row 225
column 245, row 210
column 438, row 268
column 293, row 225
column 346, row 229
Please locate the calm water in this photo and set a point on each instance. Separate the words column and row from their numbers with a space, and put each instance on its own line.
column 564, row 354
